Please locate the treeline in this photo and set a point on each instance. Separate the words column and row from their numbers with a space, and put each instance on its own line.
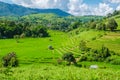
column 9, row 29
column 106, row 23
column 109, row 24
column 55, row 22
column 102, row 25
column 116, row 12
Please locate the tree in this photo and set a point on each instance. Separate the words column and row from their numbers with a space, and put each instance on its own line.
column 74, row 25
column 82, row 45
column 10, row 60
column 69, row 58
column 39, row 31
column 112, row 24
column 93, row 25
column 116, row 12
column 101, row 26
column 109, row 15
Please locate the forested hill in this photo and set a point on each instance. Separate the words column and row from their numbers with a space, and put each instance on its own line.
column 17, row 10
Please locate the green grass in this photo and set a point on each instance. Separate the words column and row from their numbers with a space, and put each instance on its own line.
column 51, row 72
column 117, row 18
column 111, row 40
column 36, row 49
column 36, row 60
column 33, row 49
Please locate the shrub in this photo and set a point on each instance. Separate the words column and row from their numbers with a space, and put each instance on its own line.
column 101, row 26
column 105, row 52
column 50, row 47
column 96, row 55
column 69, row 58
column 94, row 38
column 22, row 35
column 111, row 58
column 90, row 58
column 83, row 58
column 82, row 45
column 17, row 37
column 10, row 60
column 112, row 24
column 100, row 35
column 115, row 61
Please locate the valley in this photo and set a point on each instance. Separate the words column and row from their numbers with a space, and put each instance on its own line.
column 50, row 44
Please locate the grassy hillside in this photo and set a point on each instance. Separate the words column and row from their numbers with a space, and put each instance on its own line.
column 109, row 39
column 34, row 49
column 117, row 18
column 37, row 62
column 33, row 52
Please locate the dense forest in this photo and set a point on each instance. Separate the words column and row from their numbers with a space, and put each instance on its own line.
column 36, row 25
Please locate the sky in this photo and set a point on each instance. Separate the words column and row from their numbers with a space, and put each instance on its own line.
column 74, row 7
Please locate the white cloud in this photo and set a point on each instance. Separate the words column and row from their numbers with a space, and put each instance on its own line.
column 62, row 4
column 118, row 7
column 114, row 1
column 75, row 7
column 103, row 9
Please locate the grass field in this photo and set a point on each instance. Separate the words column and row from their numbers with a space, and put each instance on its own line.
column 52, row 72
column 37, row 62
column 33, row 49
column 111, row 40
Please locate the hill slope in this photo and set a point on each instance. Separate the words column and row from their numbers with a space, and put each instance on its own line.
column 16, row 10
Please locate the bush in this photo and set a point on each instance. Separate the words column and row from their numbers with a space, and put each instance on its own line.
column 112, row 24
column 100, row 35
column 10, row 60
column 90, row 58
column 83, row 58
column 69, row 58
column 115, row 61
column 22, row 35
column 96, row 55
column 94, row 38
column 17, row 37
column 82, row 45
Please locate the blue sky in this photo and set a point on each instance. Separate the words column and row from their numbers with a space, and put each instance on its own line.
column 75, row 7
column 92, row 2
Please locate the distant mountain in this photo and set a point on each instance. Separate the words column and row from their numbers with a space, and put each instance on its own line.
column 17, row 10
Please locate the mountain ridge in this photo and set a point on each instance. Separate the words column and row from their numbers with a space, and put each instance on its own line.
column 7, row 9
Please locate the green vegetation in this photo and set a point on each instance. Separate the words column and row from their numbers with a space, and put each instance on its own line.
column 44, row 44
column 10, row 60
column 69, row 58
column 112, row 24
column 9, row 29
column 51, row 72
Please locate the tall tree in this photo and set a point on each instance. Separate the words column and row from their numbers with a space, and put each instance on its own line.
column 112, row 24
